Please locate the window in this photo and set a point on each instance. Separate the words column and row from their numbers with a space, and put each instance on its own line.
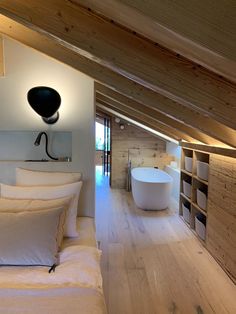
column 99, row 136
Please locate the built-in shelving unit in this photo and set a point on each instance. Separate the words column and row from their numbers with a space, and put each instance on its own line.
column 194, row 190
column 212, row 197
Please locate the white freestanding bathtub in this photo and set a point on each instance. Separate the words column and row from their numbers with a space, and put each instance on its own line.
column 151, row 188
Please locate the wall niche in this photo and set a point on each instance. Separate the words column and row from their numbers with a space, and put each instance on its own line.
column 19, row 146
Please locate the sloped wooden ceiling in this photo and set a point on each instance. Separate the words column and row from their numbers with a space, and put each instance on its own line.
column 189, row 98
column 115, row 100
column 108, row 112
column 189, row 119
column 202, row 31
column 146, row 121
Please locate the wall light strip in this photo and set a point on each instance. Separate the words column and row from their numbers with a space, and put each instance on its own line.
column 165, row 137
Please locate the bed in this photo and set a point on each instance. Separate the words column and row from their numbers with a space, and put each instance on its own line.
column 78, row 290
column 37, row 215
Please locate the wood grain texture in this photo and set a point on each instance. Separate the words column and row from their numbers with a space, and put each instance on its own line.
column 191, row 118
column 139, row 147
column 1, row 57
column 139, row 118
column 155, row 68
column 153, row 264
column 210, row 149
column 169, row 129
column 117, row 82
column 112, row 113
column 221, row 224
column 178, row 28
column 208, row 23
column 124, row 102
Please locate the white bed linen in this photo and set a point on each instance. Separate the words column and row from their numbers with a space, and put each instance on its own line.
column 79, row 267
column 75, row 287
column 52, row 301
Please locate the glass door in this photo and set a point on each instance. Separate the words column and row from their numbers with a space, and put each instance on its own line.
column 106, row 149
column 103, row 144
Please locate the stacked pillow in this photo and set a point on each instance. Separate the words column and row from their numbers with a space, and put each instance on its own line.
column 38, row 211
column 18, row 205
column 47, row 193
column 33, row 177
column 29, row 237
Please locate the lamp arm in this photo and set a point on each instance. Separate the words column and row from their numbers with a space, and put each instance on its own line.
column 46, row 147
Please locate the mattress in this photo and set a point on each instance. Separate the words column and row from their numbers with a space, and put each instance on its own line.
column 74, row 287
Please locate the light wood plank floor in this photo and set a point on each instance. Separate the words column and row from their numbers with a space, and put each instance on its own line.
column 153, row 264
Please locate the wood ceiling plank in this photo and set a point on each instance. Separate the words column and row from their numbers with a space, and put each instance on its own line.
column 160, row 117
column 139, row 117
column 111, row 113
column 134, row 58
column 126, row 116
column 182, row 28
column 174, row 110
column 111, row 83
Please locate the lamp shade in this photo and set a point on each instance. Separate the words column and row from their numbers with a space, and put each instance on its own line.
column 45, row 101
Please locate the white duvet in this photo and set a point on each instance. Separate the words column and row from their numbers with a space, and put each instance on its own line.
column 74, row 288
column 79, row 267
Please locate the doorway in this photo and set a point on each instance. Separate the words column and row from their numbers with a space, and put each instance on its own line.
column 103, row 144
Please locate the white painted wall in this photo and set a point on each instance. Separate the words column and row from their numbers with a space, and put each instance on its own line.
column 174, row 150
column 20, row 145
column 175, row 174
column 26, row 68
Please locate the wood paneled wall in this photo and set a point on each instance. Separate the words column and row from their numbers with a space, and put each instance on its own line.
column 221, row 225
column 138, row 146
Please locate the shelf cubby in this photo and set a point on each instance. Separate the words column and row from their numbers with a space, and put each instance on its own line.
column 186, row 184
column 196, row 200
column 199, row 230
column 218, row 216
column 186, row 210
column 187, row 160
column 199, row 198
column 201, row 166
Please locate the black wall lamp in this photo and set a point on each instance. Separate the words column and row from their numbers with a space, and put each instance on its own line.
column 46, row 102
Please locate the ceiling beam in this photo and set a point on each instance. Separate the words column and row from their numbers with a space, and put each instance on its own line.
column 1, row 57
column 128, row 118
column 176, row 111
column 141, row 118
column 124, row 53
column 197, row 31
column 116, row 82
column 119, row 99
column 111, row 113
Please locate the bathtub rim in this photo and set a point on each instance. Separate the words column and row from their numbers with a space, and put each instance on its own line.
column 169, row 178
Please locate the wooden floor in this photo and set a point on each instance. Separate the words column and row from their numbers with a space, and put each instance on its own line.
column 152, row 263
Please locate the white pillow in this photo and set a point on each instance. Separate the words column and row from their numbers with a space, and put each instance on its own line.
column 35, row 177
column 19, row 205
column 29, row 238
column 46, row 193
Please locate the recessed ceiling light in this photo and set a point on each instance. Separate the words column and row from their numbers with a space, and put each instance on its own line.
column 117, row 120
